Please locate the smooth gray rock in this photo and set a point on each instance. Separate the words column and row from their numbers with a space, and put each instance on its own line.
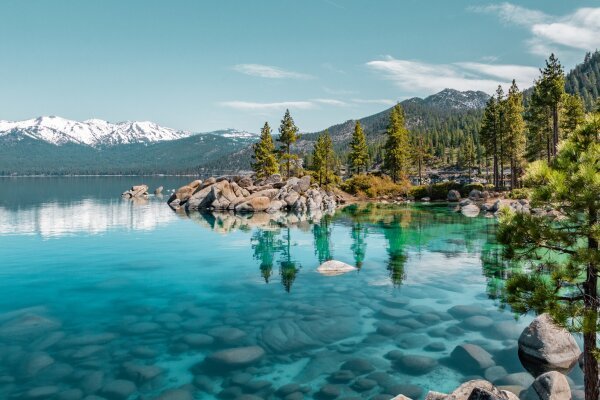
column 471, row 358
column 238, row 357
column 549, row 386
column 550, row 345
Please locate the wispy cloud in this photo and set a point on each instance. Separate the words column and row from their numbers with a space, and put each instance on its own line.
column 331, row 102
column 578, row 30
column 383, row 102
column 269, row 71
column 267, row 107
column 282, row 105
column 415, row 77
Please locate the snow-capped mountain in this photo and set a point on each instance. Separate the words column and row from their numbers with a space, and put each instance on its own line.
column 233, row 133
column 92, row 132
column 454, row 99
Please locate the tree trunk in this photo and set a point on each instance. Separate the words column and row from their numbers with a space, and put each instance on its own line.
column 591, row 303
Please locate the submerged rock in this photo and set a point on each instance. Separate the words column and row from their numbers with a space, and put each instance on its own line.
column 471, row 358
column 235, row 358
column 334, row 268
column 543, row 346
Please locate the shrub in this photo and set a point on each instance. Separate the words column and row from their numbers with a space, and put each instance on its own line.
column 437, row 191
column 518, row 194
column 374, row 186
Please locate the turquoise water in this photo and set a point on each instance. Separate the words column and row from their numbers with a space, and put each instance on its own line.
column 130, row 300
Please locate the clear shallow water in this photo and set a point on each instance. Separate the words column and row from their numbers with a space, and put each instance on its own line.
column 98, row 294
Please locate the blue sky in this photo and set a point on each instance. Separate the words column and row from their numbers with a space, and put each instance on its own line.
column 206, row 65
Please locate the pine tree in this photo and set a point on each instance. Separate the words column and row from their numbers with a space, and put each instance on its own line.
column 397, row 146
column 514, row 126
column 489, row 135
column 421, row 154
column 561, row 256
column 359, row 155
column 552, row 88
column 323, row 163
column 539, row 127
column 264, row 153
column 288, row 134
column 468, row 155
column 572, row 114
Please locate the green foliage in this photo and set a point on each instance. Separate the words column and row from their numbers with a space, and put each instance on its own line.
column 572, row 114
column 323, row 160
column 560, row 256
column 437, row 191
column 264, row 153
column 397, row 146
column 374, row 186
column 519, row 193
column 288, row 135
column 359, row 155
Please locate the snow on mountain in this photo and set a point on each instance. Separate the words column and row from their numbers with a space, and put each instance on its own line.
column 233, row 133
column 93, row 132
column 454, row 99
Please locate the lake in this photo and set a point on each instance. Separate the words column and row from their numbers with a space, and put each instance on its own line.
column 130, row 300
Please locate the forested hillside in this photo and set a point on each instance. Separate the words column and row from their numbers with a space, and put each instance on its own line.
column 23, row 155
column 584, row 80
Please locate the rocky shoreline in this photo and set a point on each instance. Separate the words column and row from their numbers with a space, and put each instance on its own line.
column 241, row 194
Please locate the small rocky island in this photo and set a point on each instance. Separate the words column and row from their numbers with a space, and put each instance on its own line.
column 242, row 194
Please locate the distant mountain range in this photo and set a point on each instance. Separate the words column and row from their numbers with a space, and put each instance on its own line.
column 54, row 145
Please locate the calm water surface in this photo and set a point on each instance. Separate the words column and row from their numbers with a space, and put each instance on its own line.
column 130, row 300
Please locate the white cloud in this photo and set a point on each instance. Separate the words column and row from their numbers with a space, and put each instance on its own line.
column 415, row 77
column 268, row 71
column 383, row 102
column 579, row 30
column 331, row 102
column 513, row 14
column 267, row 107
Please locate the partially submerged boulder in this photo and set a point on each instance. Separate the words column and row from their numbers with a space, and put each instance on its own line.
column 470, row 210
column 334, row 268
column 544, row 346
column 136, row 191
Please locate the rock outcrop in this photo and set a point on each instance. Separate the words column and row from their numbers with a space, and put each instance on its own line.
column 453, row 195
column 544, row 346
column 136, row 191
column 243, row 195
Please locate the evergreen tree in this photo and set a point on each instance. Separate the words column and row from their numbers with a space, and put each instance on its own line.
column 322, row 238
column 468, row 155
column 266, row 244
column 324, row 159
column 552, row 88
column 561, row 256
column 264, row 153
column 288, row 267
column 359, row 243
column 539, row 127
column 421, row 154
column 572, row 113
column 514, row 126
column 288, row 134
column 397, row 147
column 501, row 140
column 359, row 156
column 489, row 135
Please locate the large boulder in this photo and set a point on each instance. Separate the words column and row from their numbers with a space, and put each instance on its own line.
column 136, row 191
column 549, row 386
column 198, row 200
column 544, row 346
column 334, row 267
column 470, row 210
column 303, row 184
column 183, row 194
column 261, row 203
column 453, row 195
column 483, row 390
